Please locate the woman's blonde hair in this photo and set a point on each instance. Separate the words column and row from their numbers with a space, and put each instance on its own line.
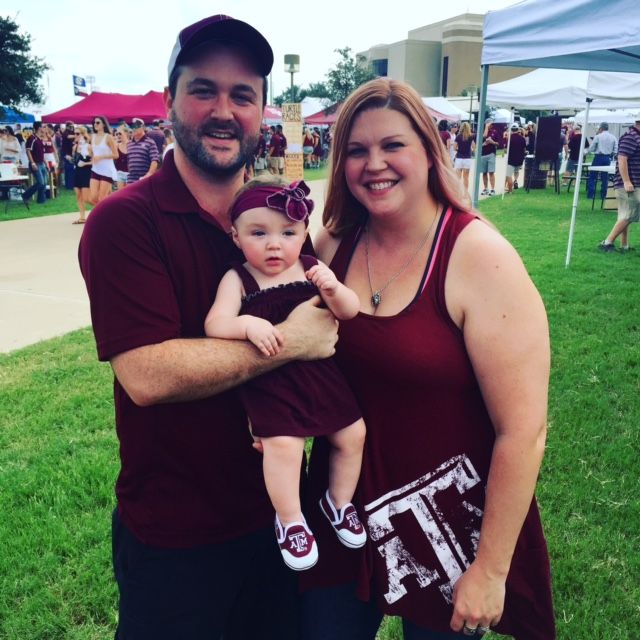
column 342, row 211
column 465, row 130
column 84, row 132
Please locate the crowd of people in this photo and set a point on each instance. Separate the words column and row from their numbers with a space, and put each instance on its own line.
column 92, row 159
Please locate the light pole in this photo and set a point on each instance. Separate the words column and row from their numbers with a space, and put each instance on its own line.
column 292, row 65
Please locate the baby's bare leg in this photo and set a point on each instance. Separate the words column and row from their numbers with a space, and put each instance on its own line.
column 345, row 462
column 281, row 468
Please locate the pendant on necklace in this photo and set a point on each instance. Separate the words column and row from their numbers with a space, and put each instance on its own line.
column 376, row 299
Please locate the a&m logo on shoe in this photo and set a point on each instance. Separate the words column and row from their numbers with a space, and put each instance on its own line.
column 353, row 520
column 299, row 542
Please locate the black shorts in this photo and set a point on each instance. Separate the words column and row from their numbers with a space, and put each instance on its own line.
column 237, row 590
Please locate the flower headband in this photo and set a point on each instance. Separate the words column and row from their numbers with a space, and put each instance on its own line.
column 291, row 200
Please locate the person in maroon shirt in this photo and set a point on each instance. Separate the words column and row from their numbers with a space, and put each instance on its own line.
column 193, row 548
column 277, row 146
column 449, row 361
column 35, row 153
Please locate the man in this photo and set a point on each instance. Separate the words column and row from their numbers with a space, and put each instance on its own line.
column 277, row 145
column 157, row 135
column 626, row 182
column 572, row 151
column 488, row 159
column 604, row 148
column 35, row 154
column 194, row 551
column 517, row 152
column 66, row 153
column 142, row 153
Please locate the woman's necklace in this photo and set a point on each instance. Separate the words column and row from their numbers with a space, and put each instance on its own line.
column 376, row 296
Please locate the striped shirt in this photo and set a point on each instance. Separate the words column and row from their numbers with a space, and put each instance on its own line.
column 629, row 146
column 604, row 143
column 140, row 155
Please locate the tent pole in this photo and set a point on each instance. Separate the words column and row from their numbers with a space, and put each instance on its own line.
column 576, row 189
column 511, row 121
column 481, row 109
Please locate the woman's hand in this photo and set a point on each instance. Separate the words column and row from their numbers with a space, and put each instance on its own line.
column 478, row 599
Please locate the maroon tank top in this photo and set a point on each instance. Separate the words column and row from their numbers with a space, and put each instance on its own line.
column 426, row 461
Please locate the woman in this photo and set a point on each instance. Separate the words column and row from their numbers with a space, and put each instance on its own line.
column 50, row 151
column 449, row 360
column 10, row 149
column 308, row 145
column 465, row 147
column 82, row 173
column 445, row 135
column 105, row 152
column 121, row 162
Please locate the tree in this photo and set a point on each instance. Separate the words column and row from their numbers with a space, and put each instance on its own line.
column 20, row 72
column 285, row 96
column 350, row 72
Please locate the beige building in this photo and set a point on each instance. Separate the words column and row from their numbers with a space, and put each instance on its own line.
column 441, row 59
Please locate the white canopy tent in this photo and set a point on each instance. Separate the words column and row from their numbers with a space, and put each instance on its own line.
column 612, row 116
column 446, row 108
column 572, row 34
column 566, row 89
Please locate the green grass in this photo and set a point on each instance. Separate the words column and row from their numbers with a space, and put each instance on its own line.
column 64, row 203
column 58, row 453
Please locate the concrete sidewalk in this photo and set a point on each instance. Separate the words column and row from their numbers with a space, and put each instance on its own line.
column 42, row 293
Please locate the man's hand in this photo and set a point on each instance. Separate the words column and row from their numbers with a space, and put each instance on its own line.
column 310, row 333
column 628, row 186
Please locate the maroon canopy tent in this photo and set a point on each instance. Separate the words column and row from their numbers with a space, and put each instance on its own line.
column 113, row 106
column 323, row 117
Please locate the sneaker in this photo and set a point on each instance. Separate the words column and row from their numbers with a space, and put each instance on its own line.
column 297, row 545
column 492, row 192
column 345, row 522
column 484, row 192
column 606, row 247
column 627, row 249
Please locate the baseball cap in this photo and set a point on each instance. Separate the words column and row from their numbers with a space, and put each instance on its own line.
column 137, row 122
column 515, row 127
column 224, row 29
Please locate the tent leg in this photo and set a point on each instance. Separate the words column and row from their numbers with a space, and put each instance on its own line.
column 576, row 191
column 481, row 109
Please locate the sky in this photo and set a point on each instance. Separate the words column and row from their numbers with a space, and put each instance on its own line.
column 125, row 44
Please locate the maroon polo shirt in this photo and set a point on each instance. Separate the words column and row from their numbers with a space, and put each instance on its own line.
column 152, row 260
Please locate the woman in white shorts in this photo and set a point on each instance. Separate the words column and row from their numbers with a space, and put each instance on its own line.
column 465, row 147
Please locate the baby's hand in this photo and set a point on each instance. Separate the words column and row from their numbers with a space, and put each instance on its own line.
column 323, row 278
column 264, row 336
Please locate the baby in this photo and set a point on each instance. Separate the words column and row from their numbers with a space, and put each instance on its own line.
column 301, row 398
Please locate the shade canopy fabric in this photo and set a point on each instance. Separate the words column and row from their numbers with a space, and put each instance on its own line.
column 113, row 106
column 324, row 117
column 566, row 89
column 618, row 116
column 442, row 109
column 11, row 116
column 572, row 34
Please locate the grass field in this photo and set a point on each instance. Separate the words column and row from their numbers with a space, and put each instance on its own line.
column 58, row 452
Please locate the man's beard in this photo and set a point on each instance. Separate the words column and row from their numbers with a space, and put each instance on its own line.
column 190, row 141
